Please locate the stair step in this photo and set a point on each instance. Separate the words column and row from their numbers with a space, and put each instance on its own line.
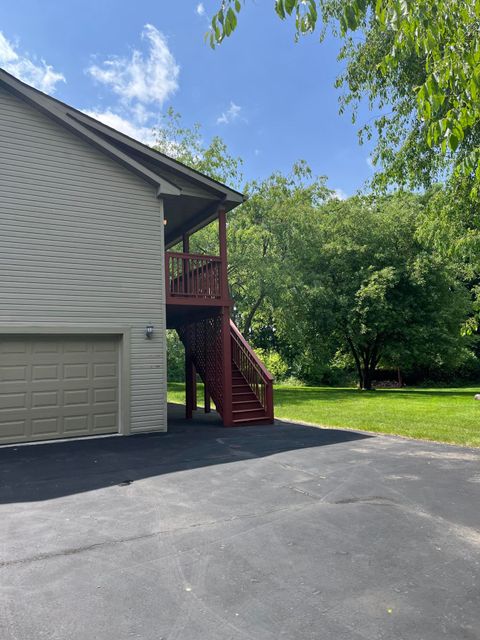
column 245, row 395
column 248, row 412
column 263, row 420
column 246, row 404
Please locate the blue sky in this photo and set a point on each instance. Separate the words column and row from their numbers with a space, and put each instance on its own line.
column 273, row 101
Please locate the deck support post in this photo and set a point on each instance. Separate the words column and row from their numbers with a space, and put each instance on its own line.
column 225, row 315
column 186, row 249
column 206, row 399
column 194, row 388
column 189, row 387
column 222, row 237
column 227, row 369
column 190, row 392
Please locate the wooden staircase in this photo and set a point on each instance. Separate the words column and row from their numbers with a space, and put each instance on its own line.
column 234, row 377
column 247, row 408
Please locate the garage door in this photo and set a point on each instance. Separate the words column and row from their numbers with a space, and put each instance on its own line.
column 57, row 387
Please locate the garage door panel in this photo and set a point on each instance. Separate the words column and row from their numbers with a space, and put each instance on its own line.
column 104, row 370
column 14, row 372
column 77, row 346
column 42, row 428
column 106, row 395
column 45, row 371
column 103, row 347
column 75, row 424
column 76, row 397
column 46, row 347
column 45, row 400
column 75, row 371
column 9, row 401
column 104, row 421
column 54, row 387
column 13, row 346
column 14, row 429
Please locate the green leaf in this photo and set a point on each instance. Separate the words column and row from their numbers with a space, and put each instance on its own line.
column 280, row 9
column 290, row 6
column 453, row 142
column 350, row 17
column 231, row 21
column 473, row 89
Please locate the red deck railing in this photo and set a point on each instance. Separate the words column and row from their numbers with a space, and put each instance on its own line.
column 193, row 276
column 253, row 370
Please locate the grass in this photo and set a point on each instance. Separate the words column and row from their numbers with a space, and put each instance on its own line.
column 443, row 415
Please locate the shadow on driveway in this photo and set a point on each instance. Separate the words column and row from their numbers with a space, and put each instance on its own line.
column 50, row 470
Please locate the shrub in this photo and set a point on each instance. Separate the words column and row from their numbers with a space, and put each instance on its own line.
column 274, row 363
column 175, row 357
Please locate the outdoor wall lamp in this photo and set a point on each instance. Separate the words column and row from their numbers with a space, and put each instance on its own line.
column 149, row 331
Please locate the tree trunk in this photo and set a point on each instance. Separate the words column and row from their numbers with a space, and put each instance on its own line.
column 366, row 361
column 367, row 378
column 249, row 319
column 358, row 364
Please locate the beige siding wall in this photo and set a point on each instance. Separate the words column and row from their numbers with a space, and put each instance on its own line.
column 81, row 242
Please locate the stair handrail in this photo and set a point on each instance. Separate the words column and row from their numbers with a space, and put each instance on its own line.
column 262, row 369
column 197, row 256
column 261, row 383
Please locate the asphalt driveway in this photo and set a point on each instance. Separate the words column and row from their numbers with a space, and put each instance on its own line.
column 206, row 533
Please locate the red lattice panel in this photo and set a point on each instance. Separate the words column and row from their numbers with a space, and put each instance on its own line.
column 203, row 339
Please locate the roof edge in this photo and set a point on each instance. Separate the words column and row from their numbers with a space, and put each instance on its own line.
column 23, row 91
column 82, row 124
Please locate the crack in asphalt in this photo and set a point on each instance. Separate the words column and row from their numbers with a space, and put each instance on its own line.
column 105, row 543
column 366, row 500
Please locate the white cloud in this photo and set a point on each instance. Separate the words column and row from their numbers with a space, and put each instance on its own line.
column 142, row 82
column 369, row 161
column 148, row 78
column 39, row 74
column 230, row 115
column 339, row 194
column 144, row 134
column 200, row 9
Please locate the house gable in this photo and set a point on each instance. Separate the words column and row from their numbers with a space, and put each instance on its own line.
column 193, row 198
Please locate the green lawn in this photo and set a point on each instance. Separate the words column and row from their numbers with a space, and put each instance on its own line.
column 444, row 415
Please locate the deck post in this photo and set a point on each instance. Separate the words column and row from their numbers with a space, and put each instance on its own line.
column 206, row 399
column 194, row 388
column 222, row 237
column 226, row 339
column 186, row 268
column 227, row 369
column 189, row 387
column 189, row 378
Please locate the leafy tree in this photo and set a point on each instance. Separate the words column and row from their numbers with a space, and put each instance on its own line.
column 261, row 233
column 269, row 229
column 316, row 280
column 175, row 357
column 452, row 227
column 418, row 61
column 186, row 145
column 374, row 290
